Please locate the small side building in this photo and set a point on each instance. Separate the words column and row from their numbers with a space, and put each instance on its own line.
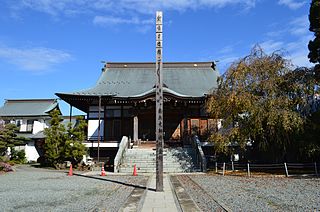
column 31, row 116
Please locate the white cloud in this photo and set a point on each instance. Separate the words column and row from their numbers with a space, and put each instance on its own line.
column 270, row 46
column 116, row 12
column 292, row 40
column 66, row 7
column 292, row 4
column 296, row 27
column 109, row 20
column 225, row 62
column 223, row 3
column 296, row 51
column 226, row 49
column 36, row 60
column 119, row 12
column 223, row 57
column 299, row 26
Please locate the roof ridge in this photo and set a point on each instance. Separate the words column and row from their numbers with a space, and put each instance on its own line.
column 31, row 100
column 165, row 64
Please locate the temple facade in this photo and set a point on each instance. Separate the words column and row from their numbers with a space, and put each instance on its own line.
column 125, row 93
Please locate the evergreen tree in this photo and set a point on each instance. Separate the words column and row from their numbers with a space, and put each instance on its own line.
column 63, row 144
column 9, row 138
column 75, row 136
column 314, row 45
column 55, row 140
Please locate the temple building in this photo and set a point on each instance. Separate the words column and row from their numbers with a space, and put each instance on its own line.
column 31, row 116
column 126, row 95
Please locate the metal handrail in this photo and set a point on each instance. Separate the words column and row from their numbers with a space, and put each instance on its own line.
column 200, row 157
column 123, row 146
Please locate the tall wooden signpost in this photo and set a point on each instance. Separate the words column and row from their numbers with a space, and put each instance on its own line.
column 159, row 104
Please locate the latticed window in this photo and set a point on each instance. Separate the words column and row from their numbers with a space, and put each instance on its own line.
column 29, row 125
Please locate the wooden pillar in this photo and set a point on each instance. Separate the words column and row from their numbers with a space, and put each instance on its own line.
column 70, row 116
column 105, row 123
column 135, row 128
column 121, row 122
column 159, row 104
column 185, row 124
column 185, row 130
column 99, row 118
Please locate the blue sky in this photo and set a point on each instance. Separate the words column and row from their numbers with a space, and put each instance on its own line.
column 49, row 46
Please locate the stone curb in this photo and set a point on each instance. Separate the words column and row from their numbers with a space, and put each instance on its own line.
column 185, row 201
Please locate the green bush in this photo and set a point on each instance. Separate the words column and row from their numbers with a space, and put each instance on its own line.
column 18, row 156
column 4, row 158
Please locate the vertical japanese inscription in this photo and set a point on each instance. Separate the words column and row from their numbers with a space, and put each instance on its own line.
column 159, row 104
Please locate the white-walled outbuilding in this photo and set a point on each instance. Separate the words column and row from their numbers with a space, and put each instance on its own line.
column 31, row 117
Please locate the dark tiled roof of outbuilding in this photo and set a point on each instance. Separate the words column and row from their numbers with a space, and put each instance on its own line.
column 136, row 80
column 28, row 107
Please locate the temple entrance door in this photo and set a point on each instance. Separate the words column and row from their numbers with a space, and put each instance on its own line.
column 117, row 129
column 113, row 130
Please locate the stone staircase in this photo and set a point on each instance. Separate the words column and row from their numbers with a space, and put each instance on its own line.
column 175, row 160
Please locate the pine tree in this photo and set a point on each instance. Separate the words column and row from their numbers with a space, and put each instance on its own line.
column 63, row 144
column 74, row 149
column 9, row 138
column 55, row 140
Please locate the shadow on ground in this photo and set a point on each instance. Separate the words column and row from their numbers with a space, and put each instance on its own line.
column 115, row 181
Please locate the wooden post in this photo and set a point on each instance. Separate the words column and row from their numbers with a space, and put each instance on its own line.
column 315, row 168
column 216, row 167
column 99, row 118
column 223, row 168
column 185, row 130
column 286, row 169
column 248, row 169
column 232, row 166
column 159, row 104
column 121, row 120
column 70, row 113
column 135, row 128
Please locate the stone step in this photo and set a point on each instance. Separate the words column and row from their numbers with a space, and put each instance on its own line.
column 130, row 171
column 144, row 163
column 153, row 157
column 154, row 165
column 129, row 159
column 154, row 161
column 152, row 170
column 176, row 160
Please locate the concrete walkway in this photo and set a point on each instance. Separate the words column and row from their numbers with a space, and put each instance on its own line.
column 159, row 201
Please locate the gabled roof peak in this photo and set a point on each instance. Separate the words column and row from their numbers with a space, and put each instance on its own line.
column 28, row 107
column 165, row 65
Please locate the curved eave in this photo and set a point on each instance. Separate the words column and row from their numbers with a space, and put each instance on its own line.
column 166, row 92
column 83, row 101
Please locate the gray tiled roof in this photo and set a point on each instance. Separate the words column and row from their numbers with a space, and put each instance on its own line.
column 28, row 107
column 138, row 79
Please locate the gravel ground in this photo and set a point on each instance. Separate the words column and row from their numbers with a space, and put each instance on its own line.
column 204, row 201
column 33, row 189
column 257, row 194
